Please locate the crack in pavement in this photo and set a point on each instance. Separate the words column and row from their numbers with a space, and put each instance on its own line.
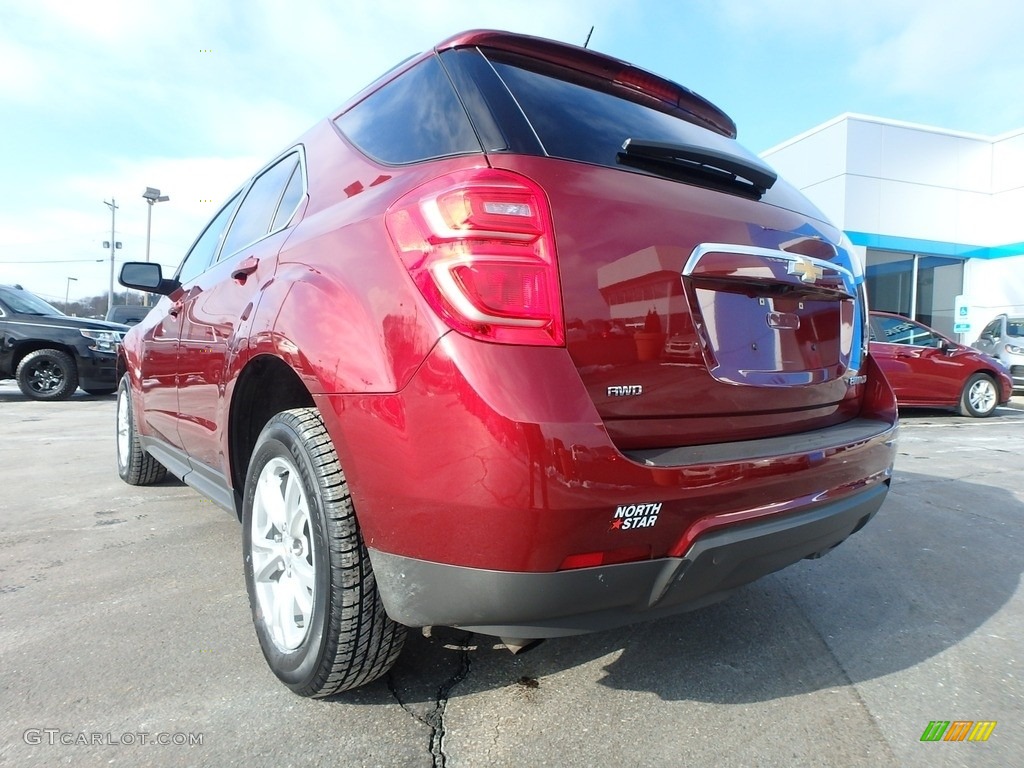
column 434, row 719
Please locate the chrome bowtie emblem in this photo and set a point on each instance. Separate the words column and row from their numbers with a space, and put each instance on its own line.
column 809, row 271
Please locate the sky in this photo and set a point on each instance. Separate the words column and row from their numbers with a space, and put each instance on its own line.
column 100, row 99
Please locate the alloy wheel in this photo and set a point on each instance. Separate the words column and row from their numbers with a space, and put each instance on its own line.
column 282, row 554
column 982, row 395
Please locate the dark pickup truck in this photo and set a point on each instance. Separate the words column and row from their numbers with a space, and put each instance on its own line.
column 50, row 354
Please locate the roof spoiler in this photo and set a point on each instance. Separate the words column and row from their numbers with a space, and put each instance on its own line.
column 598, row 65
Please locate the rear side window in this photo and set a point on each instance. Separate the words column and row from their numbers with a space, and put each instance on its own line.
column 576, row 122
column 289, row 200
column 254, row 217
column 414, row 117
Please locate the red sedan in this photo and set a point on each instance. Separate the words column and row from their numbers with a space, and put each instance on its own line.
column 926, row 369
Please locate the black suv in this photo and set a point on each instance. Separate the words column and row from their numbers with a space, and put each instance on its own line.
column 51, row 354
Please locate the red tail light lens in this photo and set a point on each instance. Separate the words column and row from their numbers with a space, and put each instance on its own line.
column 479, row 245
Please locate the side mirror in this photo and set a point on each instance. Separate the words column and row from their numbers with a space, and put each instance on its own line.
column 146, row 276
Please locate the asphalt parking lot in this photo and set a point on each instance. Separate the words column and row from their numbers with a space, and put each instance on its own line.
column 124, row 623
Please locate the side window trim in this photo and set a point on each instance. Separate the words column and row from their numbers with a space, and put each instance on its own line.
column 303, row 180
column 299, row 151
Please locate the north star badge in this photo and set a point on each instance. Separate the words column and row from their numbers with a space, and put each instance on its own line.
column 630, row 516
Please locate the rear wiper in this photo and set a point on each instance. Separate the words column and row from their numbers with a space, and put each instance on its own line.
column 691, row 161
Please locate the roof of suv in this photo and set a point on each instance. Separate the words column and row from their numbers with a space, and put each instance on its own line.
column 599, row 65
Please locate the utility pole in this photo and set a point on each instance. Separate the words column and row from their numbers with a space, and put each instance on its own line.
column 113, row 244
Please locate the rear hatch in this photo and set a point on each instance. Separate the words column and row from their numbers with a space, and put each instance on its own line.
column 704, row 300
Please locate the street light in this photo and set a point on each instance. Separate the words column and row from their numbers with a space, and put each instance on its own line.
column 151, row 196
column 67, row 292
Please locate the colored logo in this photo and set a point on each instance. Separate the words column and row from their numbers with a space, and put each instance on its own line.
column 630, row 516
column 958, row 730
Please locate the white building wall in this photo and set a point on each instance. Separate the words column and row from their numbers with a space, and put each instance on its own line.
column 813, row 157
column 1008, row 188
column 992, row 287
column 959, row 194
column 1008, row 163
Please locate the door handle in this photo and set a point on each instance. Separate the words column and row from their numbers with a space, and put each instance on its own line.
column 245, row 268
column 175, row 308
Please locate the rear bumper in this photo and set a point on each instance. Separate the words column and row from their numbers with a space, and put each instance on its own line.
column 535, row 605
column 491, row 458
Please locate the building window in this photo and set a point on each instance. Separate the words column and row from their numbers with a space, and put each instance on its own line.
column 916, row 285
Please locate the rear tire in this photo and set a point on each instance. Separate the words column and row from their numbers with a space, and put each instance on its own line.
column 134, row 465
column 314, row 599
column 980, row 396
column 47, row 374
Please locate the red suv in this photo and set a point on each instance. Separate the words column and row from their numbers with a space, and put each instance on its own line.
column 519, row 340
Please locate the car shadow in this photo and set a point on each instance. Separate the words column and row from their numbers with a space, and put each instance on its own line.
column 880, row 603
column 11, row 394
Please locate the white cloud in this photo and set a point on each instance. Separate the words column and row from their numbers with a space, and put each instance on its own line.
column 945, row 61
column 22, row 72
column 945, row 43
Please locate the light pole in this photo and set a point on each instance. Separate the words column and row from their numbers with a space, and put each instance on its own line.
column 112, row 245
column 151, row 196
column 67, row 292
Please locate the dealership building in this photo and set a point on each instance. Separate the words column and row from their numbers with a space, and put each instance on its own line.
column 936, row 215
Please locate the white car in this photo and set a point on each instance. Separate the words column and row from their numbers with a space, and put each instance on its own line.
column 1003, row 339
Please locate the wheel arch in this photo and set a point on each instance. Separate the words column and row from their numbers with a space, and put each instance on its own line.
column 33, row 345
column 265, row 386
column 993, row 375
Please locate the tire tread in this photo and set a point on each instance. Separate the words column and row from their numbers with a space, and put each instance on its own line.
column 141, row 469
column 363, row 643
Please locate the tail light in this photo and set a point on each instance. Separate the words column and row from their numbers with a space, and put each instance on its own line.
column 479, row 246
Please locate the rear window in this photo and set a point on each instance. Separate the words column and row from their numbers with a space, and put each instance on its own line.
column 576, row 122
column 897, row 330
column 415, row 117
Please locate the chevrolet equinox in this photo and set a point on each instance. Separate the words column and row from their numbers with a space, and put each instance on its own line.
column 519, row 340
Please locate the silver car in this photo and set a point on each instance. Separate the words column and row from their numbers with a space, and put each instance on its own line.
column 1003, row 339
